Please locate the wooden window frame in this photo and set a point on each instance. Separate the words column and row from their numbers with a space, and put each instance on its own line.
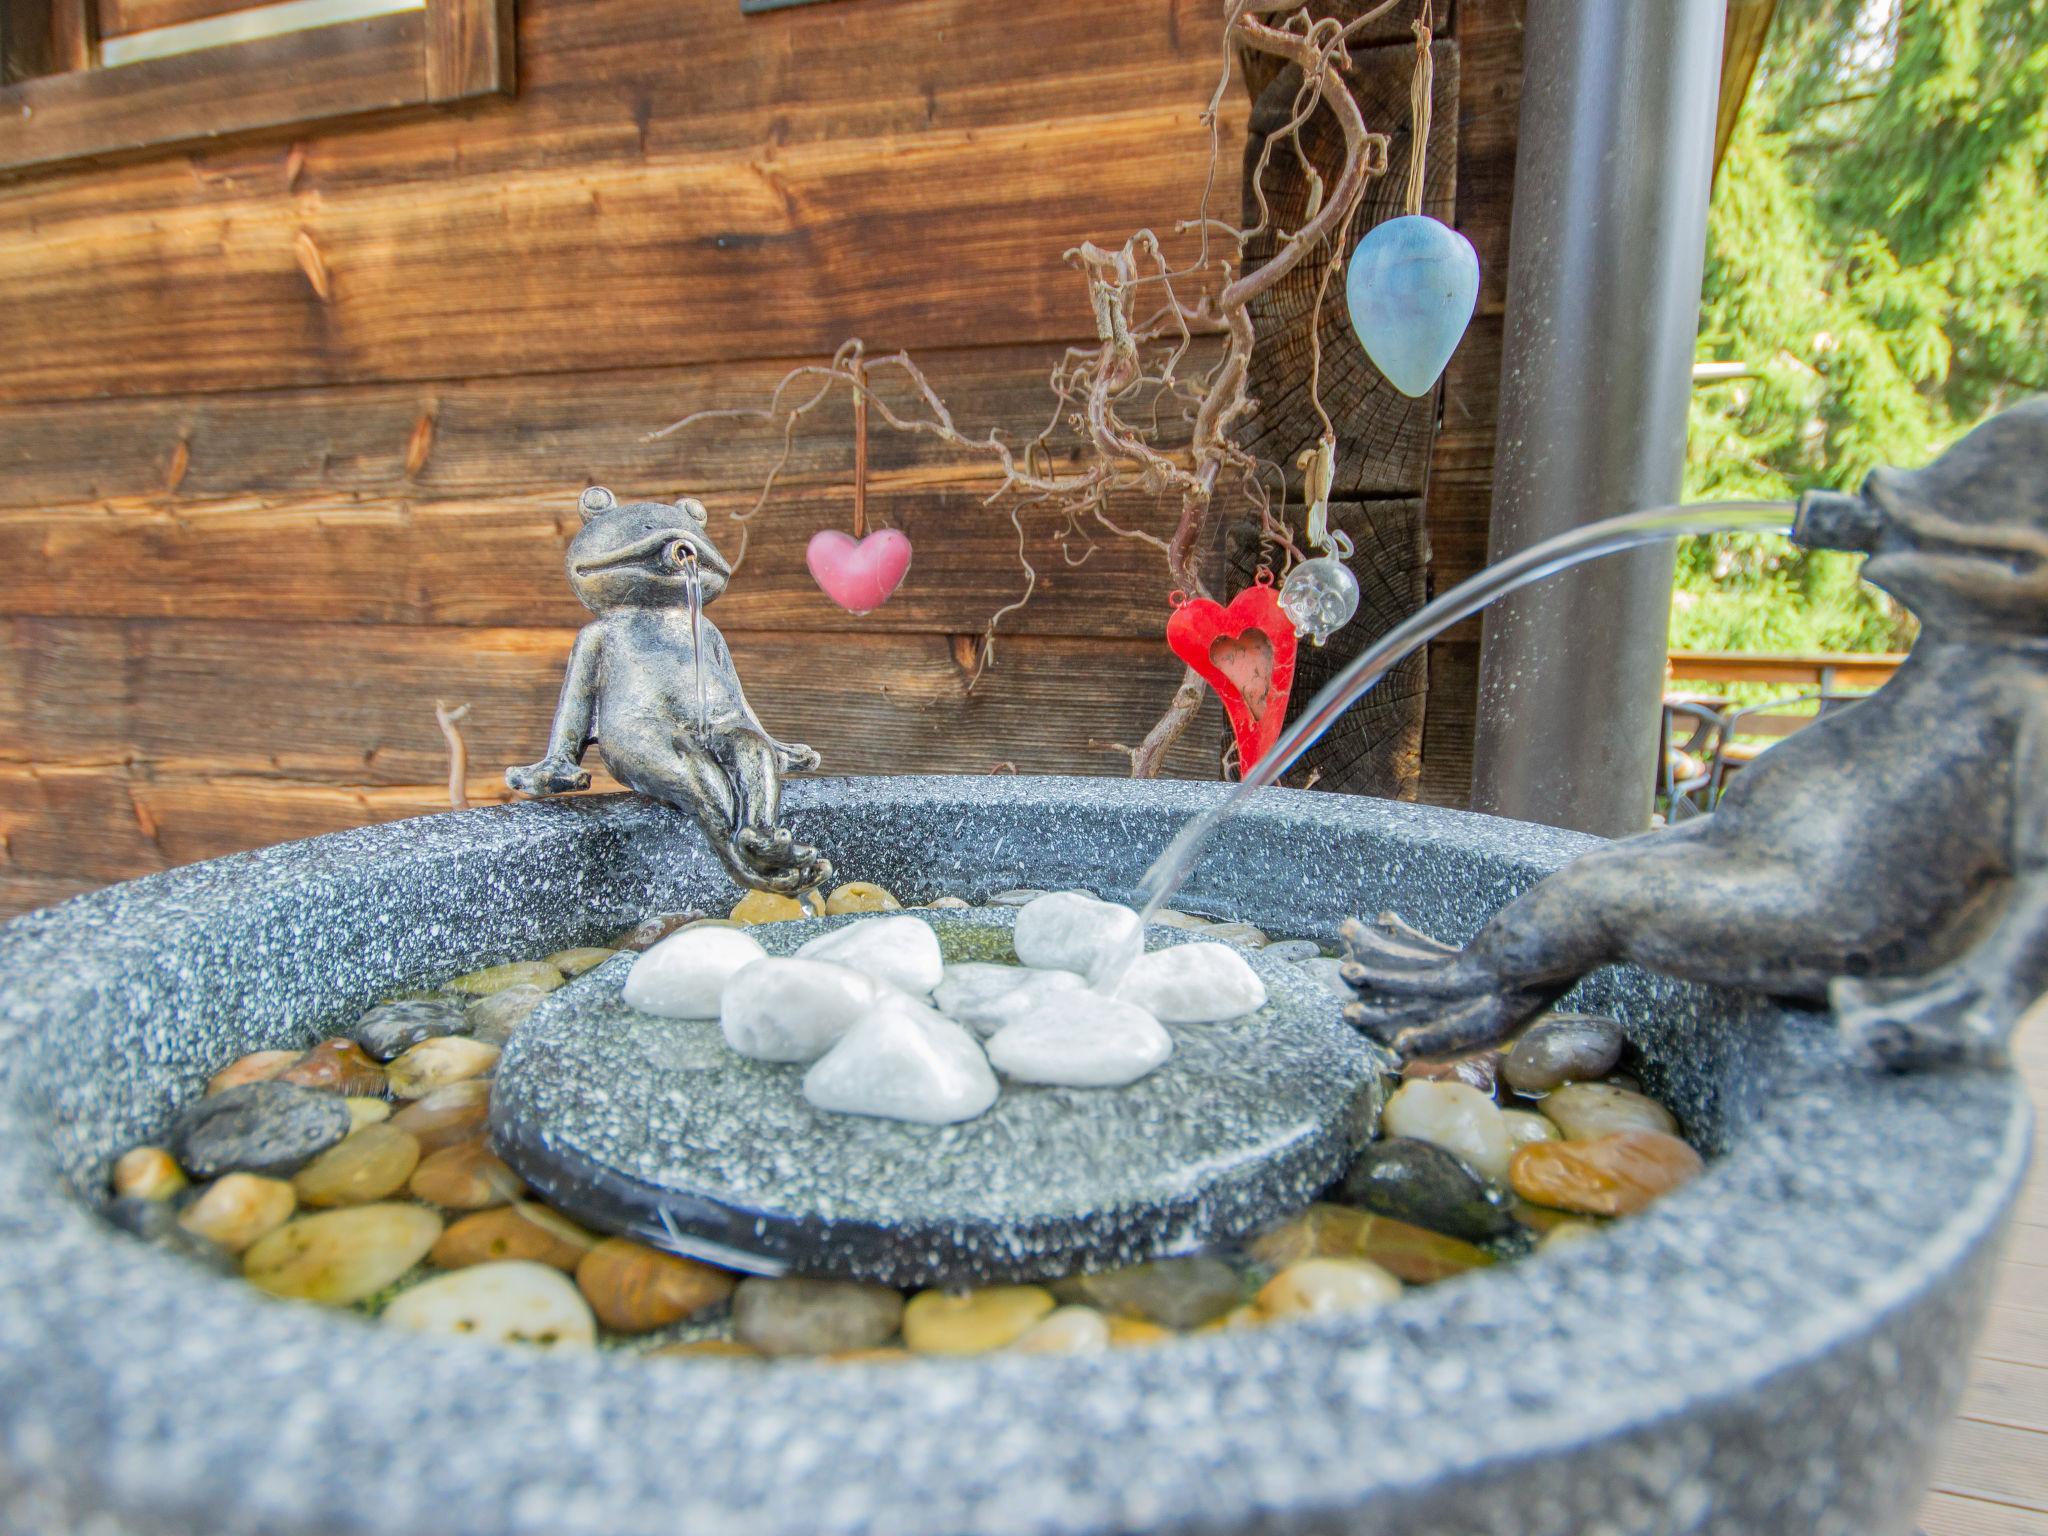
column 452, row 50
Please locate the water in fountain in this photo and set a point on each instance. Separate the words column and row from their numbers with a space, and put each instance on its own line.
column 1607, row 537
column 693, row 587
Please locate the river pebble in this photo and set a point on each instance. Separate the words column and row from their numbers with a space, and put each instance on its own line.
column 1563, row 1048
column 365, row 1111
column 465, row 1177
column 684, row 975
column 902, row 1061
column 814, row 1317
column 1176, row 1293
column 1454, row 1116
column 491, row 1020
column 439, row 1063
column 507, row 1303
column 1586, row 1110
column 514, row 973
column 1317, row 1287
column 148, row 1173
column 447, row 1115
column 1081, row 1040
column 340, row 1257
column 238, row 1209
column 256, row 1067
column 900, row 952
column 1294, row 951
column 1065, row 1331
column 366, row 1165
column 650, row 931
column 1417, row 1181
column 1525, row 1126
column 767, row 907
column 1410, row 1253
column 1135, row 1332
column 336, row 1066
column 522, row 1230
column 634, row 1289
column 986, row 997
column 860, row 896
column 790, row 1009
column 1238, row 933
column 1067, row 931
column 267, row 1127
column 1613, row 1175
column 1198, row 983
column 972, row 1322
column 574, row 962
column 390, row 1028
column 1481, row 1070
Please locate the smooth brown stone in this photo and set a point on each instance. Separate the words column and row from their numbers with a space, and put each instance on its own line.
column 256, row 1067
column 239, row 1209
column 634, row 1289
column 766, row 907
column 574, row 962
column 650, row 931
column 974, row 1322
column 1481, row 1071
column 1408, row 1252
column 1615, row 1175
column 447, row 1115
column 340, row 1257
column 1587, row 1111
column 520, row 1231
column 439, row 1063
column 147, row 1173
column 365, row 1165
column 860, row 896
column 496, row 978
column 1135, row 1331
column 466, row 1177
column 362, row 1112
column 337, row 1066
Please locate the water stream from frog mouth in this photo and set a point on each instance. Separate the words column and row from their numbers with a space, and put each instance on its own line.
column 693, row 591
column 1609, row 536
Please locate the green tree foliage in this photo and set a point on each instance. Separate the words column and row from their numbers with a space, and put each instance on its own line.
column 1878, row 258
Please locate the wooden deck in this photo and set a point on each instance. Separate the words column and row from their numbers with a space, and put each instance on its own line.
column 1992, row 1476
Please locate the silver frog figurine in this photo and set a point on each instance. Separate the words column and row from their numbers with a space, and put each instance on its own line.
column 651, row 682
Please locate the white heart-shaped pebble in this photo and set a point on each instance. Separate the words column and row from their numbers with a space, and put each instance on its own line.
column 789, row 1009
column 900, row 951
column 903, row 1061
column 1193, row 984
column 511, row 1301
column 1081, row 1040
column 684, row 975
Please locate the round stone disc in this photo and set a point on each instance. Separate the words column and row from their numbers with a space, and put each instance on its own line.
column 655, row 1128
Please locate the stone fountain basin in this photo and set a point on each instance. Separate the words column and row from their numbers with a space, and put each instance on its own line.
column 1770, row 1350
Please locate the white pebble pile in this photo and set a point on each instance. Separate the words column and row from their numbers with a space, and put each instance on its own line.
column 888, row 1029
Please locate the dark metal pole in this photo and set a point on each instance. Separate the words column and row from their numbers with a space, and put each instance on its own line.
column 1612, row 175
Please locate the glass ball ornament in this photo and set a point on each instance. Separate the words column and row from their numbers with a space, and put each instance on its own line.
column 1319, row 597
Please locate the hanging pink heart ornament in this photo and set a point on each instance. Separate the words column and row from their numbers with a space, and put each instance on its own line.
column 858, row 574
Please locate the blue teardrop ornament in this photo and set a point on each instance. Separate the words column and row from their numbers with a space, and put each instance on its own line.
column 1412, row 286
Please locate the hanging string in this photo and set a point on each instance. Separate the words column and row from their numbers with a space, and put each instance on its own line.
column 860, row 450
column 1421, row 93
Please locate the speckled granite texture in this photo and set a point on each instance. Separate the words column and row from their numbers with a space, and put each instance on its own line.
column 1766, row 1353
column 656, row 1128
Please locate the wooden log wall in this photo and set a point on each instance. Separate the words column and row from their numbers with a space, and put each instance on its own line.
column 292, row 427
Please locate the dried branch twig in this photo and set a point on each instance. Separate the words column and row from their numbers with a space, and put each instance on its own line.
column 450, row 721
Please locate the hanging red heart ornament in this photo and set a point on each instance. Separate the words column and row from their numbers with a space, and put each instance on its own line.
column 1246, row 653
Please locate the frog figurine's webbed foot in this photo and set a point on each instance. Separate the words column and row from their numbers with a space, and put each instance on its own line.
column 549, row 776
column 776, row 861
column 1422, row 998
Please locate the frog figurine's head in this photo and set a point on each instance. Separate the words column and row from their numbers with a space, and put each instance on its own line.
column 1962, row 542
column 645, row 554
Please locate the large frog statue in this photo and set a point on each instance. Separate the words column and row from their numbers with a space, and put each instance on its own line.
column 652, row 683
column 1891, row 859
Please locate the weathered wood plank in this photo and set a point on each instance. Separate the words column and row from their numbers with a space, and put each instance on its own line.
column 21, row 893
column 469, row 49
column 526, row 435
column 362, row 66
column 1991, row 1461
column 498, row 562
column 945, row 239
column 2005, row 1392
column 353, row 704
column 599, row 81
column 117, row 18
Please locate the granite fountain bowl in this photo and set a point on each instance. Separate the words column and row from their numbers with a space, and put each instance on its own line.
column 1772, row 1349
